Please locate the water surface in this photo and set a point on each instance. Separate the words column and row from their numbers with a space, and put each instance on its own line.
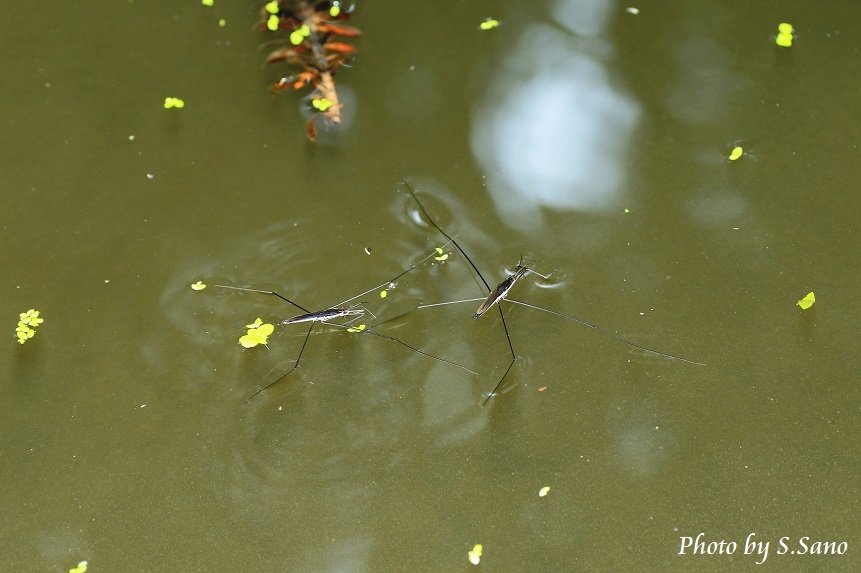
column 588, row 139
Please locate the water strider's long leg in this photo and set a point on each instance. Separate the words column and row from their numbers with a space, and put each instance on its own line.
column 295, row 366
column 604, row 332
column 486, row 285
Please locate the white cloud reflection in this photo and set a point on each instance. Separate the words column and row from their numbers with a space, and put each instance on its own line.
column 553, row 131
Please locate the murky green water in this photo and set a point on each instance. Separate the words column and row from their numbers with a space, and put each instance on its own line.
column 588, row 139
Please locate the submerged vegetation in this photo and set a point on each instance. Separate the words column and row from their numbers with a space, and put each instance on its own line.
column 313, row 48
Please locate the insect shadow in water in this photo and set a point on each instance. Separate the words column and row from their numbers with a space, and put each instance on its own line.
column 500, row 293
column 340, row 310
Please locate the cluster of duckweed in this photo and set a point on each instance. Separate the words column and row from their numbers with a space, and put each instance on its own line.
column 27, row 323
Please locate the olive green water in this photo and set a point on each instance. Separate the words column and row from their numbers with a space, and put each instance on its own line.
column 590, row 140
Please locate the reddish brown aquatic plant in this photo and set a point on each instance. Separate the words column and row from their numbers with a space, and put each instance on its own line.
column 314, row 49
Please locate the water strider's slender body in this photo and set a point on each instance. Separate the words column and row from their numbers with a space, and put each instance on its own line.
column 501, row 291
column 324, row 315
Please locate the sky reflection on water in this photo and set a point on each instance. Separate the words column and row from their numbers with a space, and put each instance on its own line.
column 555, row 128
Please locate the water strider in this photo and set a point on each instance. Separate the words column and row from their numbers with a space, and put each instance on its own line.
column 500, row 293
column 340, row 311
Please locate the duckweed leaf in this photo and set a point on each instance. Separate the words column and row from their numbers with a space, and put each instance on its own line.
column 298, row 35
column 807, row 301
column 736, row 152
column 475, row 554
column 785, row 34
column 258, row 333
column 321, row 103
column 27, row 323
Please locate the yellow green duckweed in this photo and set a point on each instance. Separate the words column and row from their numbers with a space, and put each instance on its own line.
column 27, row 323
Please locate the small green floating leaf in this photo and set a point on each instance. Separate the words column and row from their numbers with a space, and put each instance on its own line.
column 385, row 292
column 30, row 317
column 258, row 333
column 544, row 491
column 208, row 2
column 81, row 568
column 784, row 40
column 807, row 301
column 173, row 102
column 298, row 35
column 321, row 103
column 248, row 341
column 475, row 554
column 198, row 285
column 222, row 23
column 736, row 152
column 785, row 34
column 359, row 328
column 272, row 23
column 489, row 24
column 335, row 10
column 272, row 7
column 27, row 323
column 441, row 255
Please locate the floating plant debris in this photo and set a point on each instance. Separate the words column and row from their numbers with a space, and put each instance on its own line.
column 475, row 554
column 27, row 323
column 807, row 301
column 258, row 333
column 312, row 48
column 736, row 152
column 785, row 35
column 173, row 102
column 489, row 24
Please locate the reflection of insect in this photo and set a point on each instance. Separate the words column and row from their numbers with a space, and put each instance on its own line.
column 500, row 293
column 341, row 311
